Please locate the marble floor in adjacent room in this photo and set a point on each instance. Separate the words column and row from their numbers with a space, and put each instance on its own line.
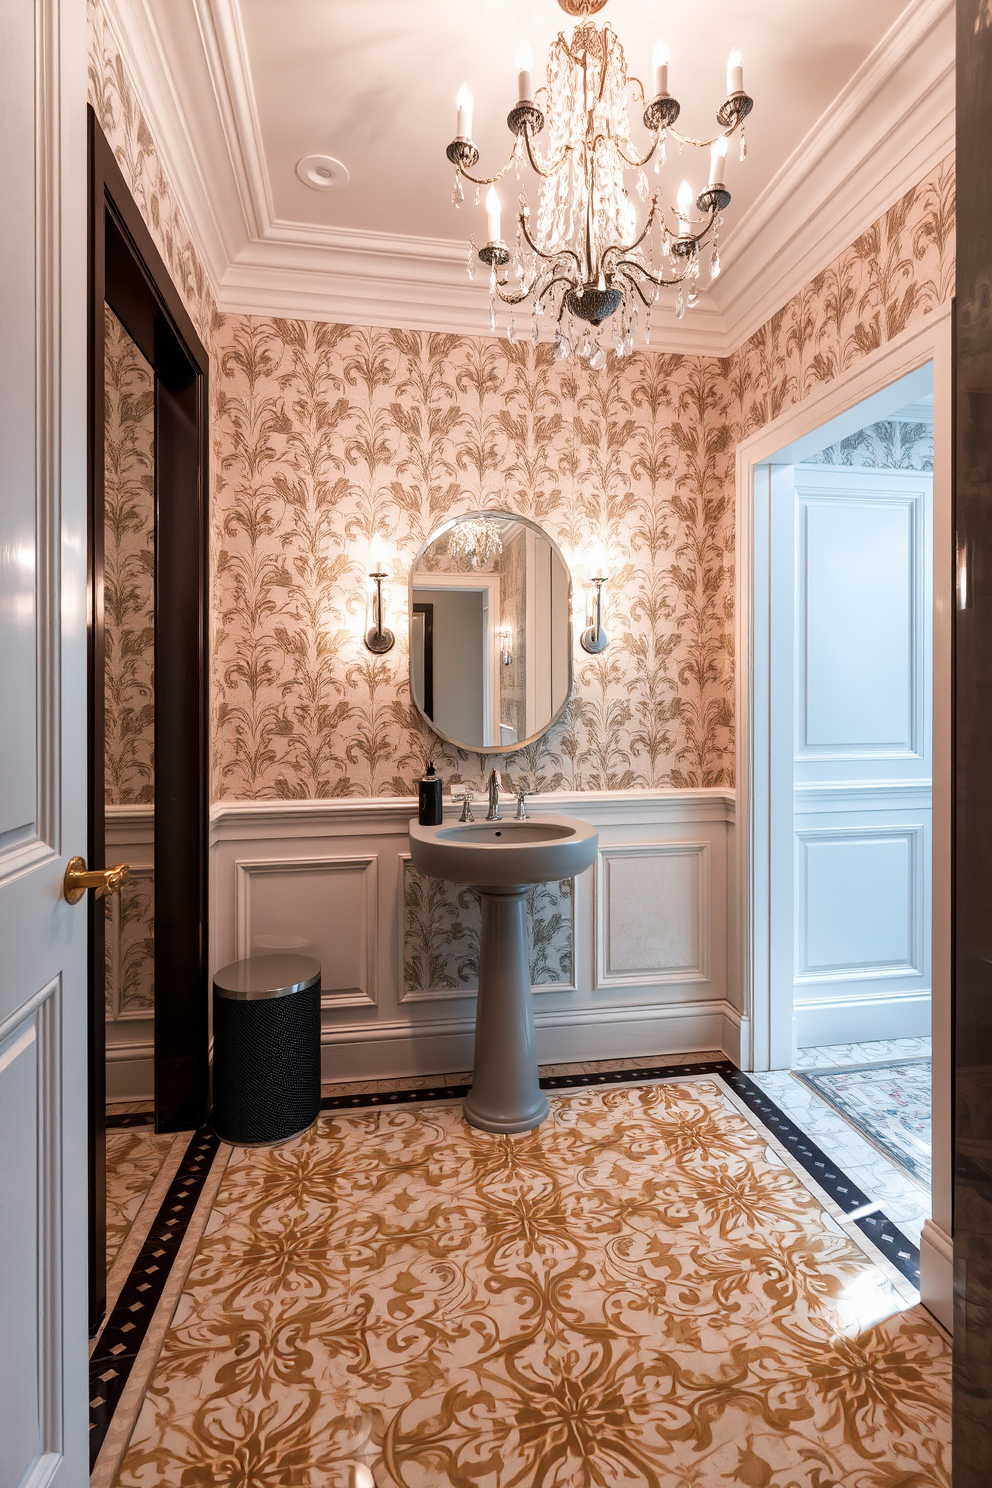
column 646, row 1291
column 905, row 1200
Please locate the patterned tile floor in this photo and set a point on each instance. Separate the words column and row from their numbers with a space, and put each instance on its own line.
column 642, row 1293
column 905, row 1200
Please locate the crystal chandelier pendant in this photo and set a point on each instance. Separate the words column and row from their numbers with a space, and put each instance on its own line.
column 457, row 194
column 599, row 236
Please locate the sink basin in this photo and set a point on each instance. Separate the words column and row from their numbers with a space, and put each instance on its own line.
column 502, row 859
column 503, row 853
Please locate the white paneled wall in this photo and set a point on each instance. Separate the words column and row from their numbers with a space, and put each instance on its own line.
column 646, row 971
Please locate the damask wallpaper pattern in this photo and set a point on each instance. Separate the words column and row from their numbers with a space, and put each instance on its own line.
column 328, row 435
column 892, row 444
column 129, row 569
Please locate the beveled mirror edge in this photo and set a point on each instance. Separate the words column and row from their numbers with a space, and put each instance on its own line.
column 438, row 533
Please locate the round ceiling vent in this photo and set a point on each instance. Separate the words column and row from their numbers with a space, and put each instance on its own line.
column 322, row 172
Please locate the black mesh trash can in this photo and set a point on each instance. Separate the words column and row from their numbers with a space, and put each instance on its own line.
column 266, row 1049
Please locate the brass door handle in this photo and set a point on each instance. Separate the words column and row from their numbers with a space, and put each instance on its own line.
column 78, row 878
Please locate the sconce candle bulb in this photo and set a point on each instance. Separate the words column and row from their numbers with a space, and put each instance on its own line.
column 378, row 639
column 594, row 638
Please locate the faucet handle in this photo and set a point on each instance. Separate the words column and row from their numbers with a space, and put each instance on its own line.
column 521, row 796
column 466, row 799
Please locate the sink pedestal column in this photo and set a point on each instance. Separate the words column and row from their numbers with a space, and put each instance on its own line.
column 506, row 1095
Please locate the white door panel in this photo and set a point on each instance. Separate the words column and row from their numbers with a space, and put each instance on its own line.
column 43, row 1435
column 851, row 686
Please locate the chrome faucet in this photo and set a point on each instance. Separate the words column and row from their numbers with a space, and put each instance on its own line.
column 493, row 813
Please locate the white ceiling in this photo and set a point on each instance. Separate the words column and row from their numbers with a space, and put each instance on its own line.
column 852, row 102
column 374, row 84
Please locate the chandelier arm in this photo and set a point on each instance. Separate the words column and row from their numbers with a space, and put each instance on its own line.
column 525, row 294
column 548, row 257
column 636, row 164
column 631, row 247
column 544, row 169
column 625, row 265
column 645, row 301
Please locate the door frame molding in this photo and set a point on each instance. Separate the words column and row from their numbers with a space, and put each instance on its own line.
column 830, row 412
column 126, row 271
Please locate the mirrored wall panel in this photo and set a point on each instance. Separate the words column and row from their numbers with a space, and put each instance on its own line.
column 129, row 689
column 490, row 631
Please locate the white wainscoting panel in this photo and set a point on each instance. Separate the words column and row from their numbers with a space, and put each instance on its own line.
column 314, row 906
column 860, row 910
column 327, row 878
column 652, row 918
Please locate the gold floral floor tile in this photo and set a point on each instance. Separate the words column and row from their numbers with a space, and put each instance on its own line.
column 640, row 1293
column 134, row 1157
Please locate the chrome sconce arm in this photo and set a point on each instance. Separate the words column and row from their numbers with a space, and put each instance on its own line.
column 378, row 639
column 594, row 638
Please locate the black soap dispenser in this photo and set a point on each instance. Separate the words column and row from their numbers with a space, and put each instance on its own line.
column 430, row 799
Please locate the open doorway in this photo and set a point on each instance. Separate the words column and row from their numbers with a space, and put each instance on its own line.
column 845, row 784
column 850, row 583
column 147, row 713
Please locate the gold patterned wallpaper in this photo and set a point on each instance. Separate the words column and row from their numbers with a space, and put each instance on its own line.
column 325, row 434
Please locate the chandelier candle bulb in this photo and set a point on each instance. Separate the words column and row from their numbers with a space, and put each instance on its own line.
column 718, row 156
column 525, row 68
column 493, row 215
column 659, row 61
column 735, row 73
column 463, row 126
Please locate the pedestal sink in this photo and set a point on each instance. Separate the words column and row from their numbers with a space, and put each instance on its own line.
column 501, row 860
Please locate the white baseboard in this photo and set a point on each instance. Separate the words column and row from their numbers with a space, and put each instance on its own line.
column 937, row 1273
column 131, row 1071
column 858, row 1020
column 444, row 1046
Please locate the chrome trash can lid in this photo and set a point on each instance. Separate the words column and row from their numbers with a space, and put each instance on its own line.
column 266, row 976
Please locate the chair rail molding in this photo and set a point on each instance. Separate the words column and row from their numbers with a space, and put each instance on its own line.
column 193, row 79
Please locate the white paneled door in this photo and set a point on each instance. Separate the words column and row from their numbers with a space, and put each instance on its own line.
column 42, row 744
column 851, row 709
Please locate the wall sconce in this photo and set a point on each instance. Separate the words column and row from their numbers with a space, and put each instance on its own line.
column 594, row 638
column 505, row 633
column 378, row 639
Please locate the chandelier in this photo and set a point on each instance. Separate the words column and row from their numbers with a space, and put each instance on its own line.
column 590, row 257
column 475, row 544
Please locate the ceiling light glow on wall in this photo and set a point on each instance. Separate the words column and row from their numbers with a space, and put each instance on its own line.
column 322, row 173
column 586, row 256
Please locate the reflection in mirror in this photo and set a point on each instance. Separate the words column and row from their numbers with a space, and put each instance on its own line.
column 129, row 693
column 490, row 631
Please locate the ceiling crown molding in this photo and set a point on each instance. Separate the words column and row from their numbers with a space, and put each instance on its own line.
column 893, row 122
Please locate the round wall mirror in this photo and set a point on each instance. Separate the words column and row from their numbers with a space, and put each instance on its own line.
column 490, row 631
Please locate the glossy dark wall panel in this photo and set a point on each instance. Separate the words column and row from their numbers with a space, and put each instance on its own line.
column 972, row 967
